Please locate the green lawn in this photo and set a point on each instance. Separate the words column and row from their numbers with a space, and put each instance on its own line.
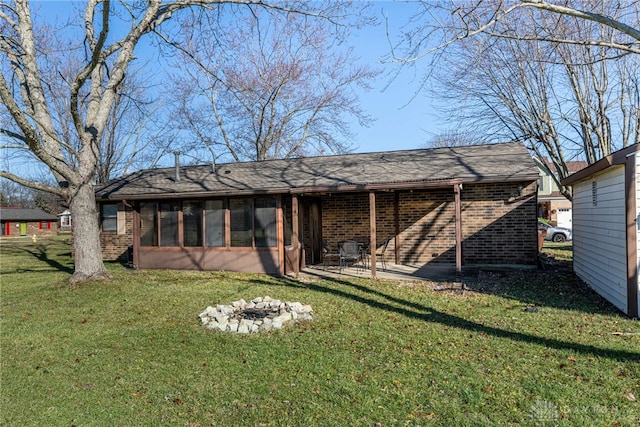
column 534, row 348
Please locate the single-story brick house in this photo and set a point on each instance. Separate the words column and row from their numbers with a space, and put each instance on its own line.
column 458, row 206
column 27, row 222
column 606, row 208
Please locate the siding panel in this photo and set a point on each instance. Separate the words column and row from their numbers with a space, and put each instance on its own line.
column 599, row 241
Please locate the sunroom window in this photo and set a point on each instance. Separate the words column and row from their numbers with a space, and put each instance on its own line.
column 169, row 223
column 192, row 223
column 214, row 223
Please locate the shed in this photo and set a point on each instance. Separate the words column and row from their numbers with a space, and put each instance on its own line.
column 460, row 206
column 605, row 227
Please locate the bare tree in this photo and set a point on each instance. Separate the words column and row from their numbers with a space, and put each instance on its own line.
column 454, row 139
column 267, row 86
column 105, row 56
column 565, row 81
column 134, row 132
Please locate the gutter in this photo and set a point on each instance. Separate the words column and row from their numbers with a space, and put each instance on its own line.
column 341, row 188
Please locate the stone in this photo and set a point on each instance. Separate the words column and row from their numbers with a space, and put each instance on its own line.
column 243, row 329
column 265, row 314
column 222, row 318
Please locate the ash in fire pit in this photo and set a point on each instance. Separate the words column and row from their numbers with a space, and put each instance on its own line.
column 254, row 313
column 261, row 314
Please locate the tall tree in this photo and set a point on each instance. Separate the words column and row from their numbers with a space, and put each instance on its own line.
column 266, row 86
column 104, row 41
column 559, row 78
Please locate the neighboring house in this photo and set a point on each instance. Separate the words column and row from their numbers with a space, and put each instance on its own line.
column 606, row 207
column 459, row 206
column 64, row 222
column 553, row 205
column 27, row 222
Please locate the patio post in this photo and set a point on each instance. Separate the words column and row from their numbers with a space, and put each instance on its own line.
column 372, row 232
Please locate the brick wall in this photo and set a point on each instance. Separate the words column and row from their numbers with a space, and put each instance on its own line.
column 498, row 224
column 116, row 246
column 33, row 227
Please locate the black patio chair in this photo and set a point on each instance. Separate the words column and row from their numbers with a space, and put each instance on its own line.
column 380, row 256
column 349, row 254
column 328, row 255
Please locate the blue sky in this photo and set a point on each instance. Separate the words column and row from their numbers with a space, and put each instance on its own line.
column 403, row 120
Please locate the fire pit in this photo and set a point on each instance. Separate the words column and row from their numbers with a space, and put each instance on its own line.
column 260, row 314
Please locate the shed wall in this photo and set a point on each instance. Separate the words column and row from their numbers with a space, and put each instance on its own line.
column 599, row 225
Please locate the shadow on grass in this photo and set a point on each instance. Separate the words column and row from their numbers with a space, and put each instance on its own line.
column 41, row 253
column 558, row 289
column 428, row 314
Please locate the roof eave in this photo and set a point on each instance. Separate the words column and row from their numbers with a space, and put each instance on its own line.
column 344, row 188
column 617, row 158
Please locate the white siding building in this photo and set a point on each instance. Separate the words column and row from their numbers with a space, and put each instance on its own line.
column 606, row 207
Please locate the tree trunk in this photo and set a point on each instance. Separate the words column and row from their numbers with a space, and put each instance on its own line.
column 86, row 236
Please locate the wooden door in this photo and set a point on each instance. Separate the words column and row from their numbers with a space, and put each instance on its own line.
column 315, row 232
column 23, row 228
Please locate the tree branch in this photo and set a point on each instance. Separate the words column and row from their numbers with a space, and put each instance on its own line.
column 596, row 17
column 32, row 184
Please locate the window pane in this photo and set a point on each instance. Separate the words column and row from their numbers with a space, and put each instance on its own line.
column 192, row 223
column 169, row 224
column 241, row 222
column 214, row 222
column 265, row 232
column 148, row 226
column 110, row 217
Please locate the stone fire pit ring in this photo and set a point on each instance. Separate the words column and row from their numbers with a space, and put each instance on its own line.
column 261, row 314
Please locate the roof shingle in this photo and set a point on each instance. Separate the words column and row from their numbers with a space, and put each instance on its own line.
column 480, row 163
column 19, row 214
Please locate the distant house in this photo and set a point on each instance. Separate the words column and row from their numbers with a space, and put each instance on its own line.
column 458, row 206
column 553, row 205
column 64, row 222
column 606, row 208
column 27, row 222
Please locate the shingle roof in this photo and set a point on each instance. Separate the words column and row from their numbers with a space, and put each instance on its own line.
column 18, row 214
column 393, row 169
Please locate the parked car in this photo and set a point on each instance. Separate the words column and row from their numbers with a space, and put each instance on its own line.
column 555, row 234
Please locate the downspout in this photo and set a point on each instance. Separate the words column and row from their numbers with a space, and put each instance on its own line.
column 458, row 207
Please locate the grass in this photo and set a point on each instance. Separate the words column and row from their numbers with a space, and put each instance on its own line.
column 521, row 348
